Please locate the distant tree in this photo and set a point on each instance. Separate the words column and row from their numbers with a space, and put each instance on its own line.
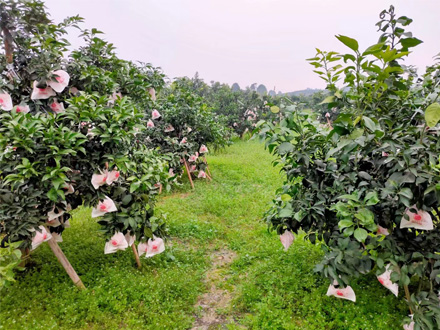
column 253, row 87
column 235, row 87
column 262, row 90
column 272, row 93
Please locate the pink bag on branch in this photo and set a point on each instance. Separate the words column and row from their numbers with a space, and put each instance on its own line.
column 40, row 237
column 62, row 80
column 203, row 149
column 68, row 189
column 151, row 247
column 155, row 114
column 193, row 158
column 420, row 220
column 345, row 293
column 22, row 108
column 385, row 280
column 287, row 239
column 117, row 242
column 57, row 107
column 112, row 176
column 130, row 238
column 41, row 93
column 5, row 101
column 103, row 207
column 57, row 212
column 169, row 128
column 382, row 231
column 105, row 177
column 152, row 93
column 409, row 326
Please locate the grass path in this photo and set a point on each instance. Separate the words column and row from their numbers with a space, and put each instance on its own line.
column 222, row 269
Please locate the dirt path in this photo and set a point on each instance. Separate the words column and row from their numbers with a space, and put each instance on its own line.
column 216, row 298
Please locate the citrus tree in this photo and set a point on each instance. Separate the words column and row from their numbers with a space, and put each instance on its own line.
column 68, row 138
column 367, row 189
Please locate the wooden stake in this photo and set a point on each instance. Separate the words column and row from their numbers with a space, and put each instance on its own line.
column 65, row 263
column 209, row 178
column 207, row 166
column 189, row 174
column 136, row 255
column 329, row 123
column 24, row 257
column 160, row 189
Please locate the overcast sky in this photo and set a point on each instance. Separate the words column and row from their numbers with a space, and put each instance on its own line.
column 246, row 41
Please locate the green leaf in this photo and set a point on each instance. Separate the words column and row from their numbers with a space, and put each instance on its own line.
column 285, row 197
column 369, row 123
column 328, row 99
column 432, row 114
column 349, row 42
column 53, row 194
column 342, row 209
column 127, row 199
column 134, row 186
column 285, row 213
column 344, row 224
column 410, row 42
column 372, row 198
column 349, row 197
column 380, row 262
column 406, row 192
column 360, row 234
column 356, row 133
column 365, row 216
column 285, row 147
column 373, row 49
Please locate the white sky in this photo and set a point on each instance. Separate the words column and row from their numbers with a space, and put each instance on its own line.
column 246, row 41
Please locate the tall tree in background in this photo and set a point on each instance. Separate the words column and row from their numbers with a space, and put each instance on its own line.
column 235, row 87
column 262, row 90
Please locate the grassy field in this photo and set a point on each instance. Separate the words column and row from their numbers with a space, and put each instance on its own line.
column 222, row 269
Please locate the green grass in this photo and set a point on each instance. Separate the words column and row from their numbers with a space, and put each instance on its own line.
column 270, row 288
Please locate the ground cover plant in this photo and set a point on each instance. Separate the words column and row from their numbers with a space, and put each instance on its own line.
column 366, row 188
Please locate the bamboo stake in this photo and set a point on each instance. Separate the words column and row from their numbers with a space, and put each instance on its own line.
column 408, row 297
column 65, row 263
column 189, row 174
column 136, row 255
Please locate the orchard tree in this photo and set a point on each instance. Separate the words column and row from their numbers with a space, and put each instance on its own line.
column 68, row 137
column 367, row 188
